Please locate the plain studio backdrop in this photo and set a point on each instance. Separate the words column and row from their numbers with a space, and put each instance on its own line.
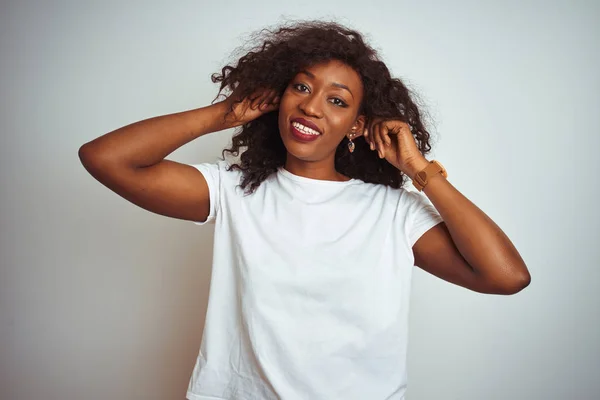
column 100, row 299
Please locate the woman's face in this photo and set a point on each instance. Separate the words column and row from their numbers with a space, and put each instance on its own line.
column 318, row 108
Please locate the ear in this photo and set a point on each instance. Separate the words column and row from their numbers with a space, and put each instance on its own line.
column 357, row 128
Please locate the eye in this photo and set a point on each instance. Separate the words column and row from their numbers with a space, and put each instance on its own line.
column 300, row 87
column 340, row 102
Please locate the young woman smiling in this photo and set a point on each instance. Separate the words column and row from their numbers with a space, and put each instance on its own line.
column 315, row 236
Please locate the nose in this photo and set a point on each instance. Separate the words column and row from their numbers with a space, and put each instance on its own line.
column 311, row 106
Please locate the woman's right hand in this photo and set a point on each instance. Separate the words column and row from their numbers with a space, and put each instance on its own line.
column 251, row 107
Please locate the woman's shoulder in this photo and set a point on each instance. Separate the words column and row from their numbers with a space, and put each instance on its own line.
column 381, row 195
column 220, row 173
column 222, row 167
column 381, row 189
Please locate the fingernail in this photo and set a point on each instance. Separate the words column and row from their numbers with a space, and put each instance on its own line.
column 372, row 146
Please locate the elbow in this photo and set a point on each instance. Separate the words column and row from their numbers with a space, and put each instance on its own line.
column 96, row 161
column 506, row 281
column 85, row 154
column 91, row 153
column 517, row 282
column 90, row 158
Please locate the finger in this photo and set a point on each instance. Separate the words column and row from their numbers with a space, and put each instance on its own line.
column 241, row 106
column 379, row 142
column 382, row 138
column 371, row 137
column 371, row 130
column 270, row 105
column 263, row 104
column 386, row 136
column 261, row 95
column 267, row 97
column 261, row 99
column 366, row 136
column 272, row 98
column 271, row 101
column 253, row 102
column 254, row 96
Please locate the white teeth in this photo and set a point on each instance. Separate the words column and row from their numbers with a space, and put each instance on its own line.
column 305, row 129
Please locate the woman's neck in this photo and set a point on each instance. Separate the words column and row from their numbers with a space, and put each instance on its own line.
column 321, row 170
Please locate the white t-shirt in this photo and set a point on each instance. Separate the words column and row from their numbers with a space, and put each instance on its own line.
column 310, row 286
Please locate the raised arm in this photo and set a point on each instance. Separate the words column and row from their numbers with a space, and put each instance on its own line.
column 130, row 160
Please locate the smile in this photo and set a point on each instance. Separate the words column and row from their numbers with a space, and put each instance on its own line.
column 305, row 129
column 303, row 133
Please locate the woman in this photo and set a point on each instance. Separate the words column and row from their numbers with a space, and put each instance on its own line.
column 315, row 237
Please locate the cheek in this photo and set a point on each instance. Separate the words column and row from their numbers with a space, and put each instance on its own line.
column 287, row 100
column 285, row 105
column 341, row 123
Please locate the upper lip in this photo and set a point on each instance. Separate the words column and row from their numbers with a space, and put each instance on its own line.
column 307, row 123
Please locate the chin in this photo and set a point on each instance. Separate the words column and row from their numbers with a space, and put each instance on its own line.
column 301, row 151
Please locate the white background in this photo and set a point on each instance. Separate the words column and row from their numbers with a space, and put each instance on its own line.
column 100, row 299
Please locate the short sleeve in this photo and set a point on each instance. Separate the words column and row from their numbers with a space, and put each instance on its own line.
column 421, row 216
column 212, row 175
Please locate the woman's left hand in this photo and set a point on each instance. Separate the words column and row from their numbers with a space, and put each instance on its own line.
column 393, row 140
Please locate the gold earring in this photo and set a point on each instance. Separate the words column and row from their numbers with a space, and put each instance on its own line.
column 351, row 143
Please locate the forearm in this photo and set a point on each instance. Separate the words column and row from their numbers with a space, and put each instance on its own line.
column 480, row 241
column 147, row 142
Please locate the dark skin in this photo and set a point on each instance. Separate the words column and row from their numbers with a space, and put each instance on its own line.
column 467, row 249
column 329, row 95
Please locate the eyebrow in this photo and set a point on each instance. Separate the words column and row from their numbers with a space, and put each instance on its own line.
column 338, row 85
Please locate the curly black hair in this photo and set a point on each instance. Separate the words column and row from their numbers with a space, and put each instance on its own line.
column 280, row 54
